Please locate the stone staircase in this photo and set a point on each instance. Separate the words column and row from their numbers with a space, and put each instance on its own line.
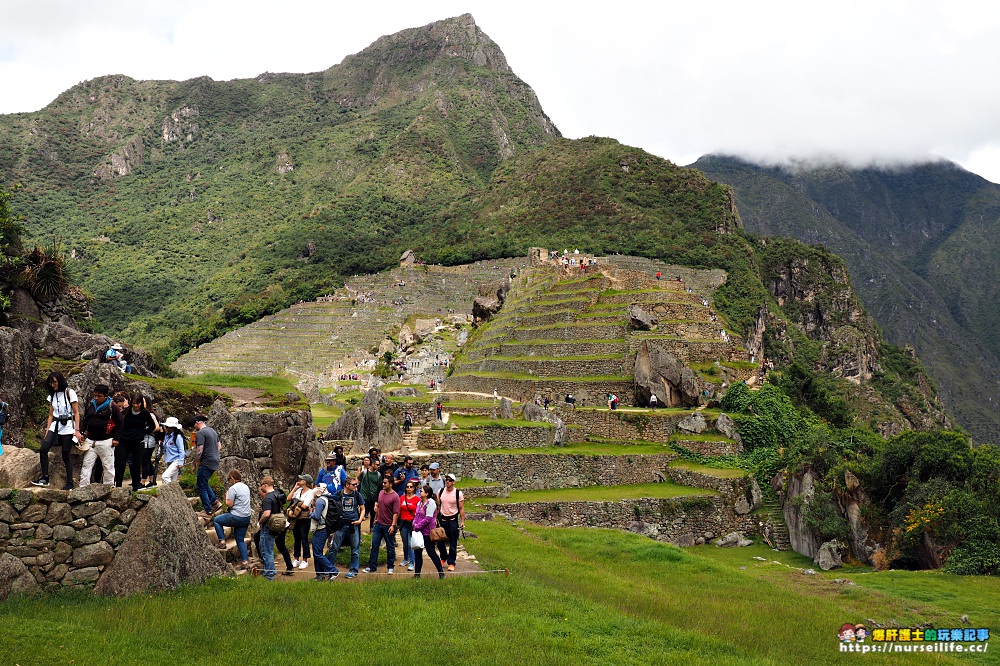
column 776, row 519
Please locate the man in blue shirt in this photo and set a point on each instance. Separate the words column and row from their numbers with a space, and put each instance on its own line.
column 333, row 475
column 354, row 512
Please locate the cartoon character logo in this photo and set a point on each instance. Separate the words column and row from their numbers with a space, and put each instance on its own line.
column 860, row 633
column 846, row 633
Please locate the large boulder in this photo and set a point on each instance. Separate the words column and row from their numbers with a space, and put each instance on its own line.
column 733, row 540
column 15, row 578
column 62, row 341
column 640, row 320
column 18, row 371
column 506, row 408
column 829, row 555
column 165, row 547
column 728, row 427
column 694, row 423
column 532, row 412
column 281, row 444
column 423, row 329
column 367, row 425
column 18, row 466
column 658, row 372
column 492, row 296
column 95, row 373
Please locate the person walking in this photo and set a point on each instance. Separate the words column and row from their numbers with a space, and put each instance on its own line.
column 102, row 419
column 207, row 456
column 423, row 522
column 353, row 508
column 173, row 449
column 370, row 481
column 301, row 497
column 407, row 511
column 137, row 423
column 386, row 521
column 272, row 503
column 452, row 518
column 321, row 565
column 238, row 516
column 62, row 428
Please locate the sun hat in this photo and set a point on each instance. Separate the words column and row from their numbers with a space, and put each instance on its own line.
column 172, row 422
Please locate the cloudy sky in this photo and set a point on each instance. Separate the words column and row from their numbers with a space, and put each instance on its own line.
column 874, row 81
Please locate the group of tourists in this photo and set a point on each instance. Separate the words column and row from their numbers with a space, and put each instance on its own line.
column 421, row 506
column 114, row 433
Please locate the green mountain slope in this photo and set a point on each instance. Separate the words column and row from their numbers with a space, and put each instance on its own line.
column 919, row 243
column 180, row 199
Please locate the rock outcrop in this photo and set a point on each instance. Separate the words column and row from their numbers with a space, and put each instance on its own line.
column 491, row 298
column 658, row 372
column 640, row 320
column 165, row 547
column 532, row 412
column 18, row 370
column 829, row 555
column 15, row 578
column 368, row 425
column 281, row 444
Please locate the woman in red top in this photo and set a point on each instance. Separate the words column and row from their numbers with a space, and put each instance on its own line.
column 407, row 511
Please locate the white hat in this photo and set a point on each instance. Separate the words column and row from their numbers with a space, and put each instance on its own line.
column 172, row 422
column 116, row 346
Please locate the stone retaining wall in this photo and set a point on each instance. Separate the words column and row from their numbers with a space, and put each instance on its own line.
column 681, row 520
column 66, row 538
column 525, row 390
column 568, row 348
column 590, row 332
column 692, row 351
column 651, row 426
column 545, row 471
column 726, row 447
column 490, row 437
column 556, row 367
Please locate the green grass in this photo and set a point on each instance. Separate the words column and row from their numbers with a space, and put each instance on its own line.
column 573, row 596
column 591, row 449
column 602, row 493
column 271, row 386
column 324, row 415
column 464, row 422
column 524, row 375
column 723, row 473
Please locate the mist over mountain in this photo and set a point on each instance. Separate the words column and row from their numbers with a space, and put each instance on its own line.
column 920, row 241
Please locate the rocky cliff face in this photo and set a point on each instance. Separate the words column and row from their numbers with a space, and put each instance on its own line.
column 18, row 369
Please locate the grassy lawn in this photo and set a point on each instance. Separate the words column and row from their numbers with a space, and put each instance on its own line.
column 605, row 448
column 574, row 596
column 271, row 386
column 324, row 415
column 464, row 422
column 722, row 473
column 602, row 493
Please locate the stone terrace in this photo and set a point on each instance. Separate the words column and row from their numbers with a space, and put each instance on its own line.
column 308, row 339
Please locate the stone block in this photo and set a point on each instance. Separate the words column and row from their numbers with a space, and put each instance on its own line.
column 43, row 531
column 105, row 518
column 115, row 539
column 62, row 552
column 88, row 536
column 88, row 509
column 59, row 513
column 34, row 513
column 15, row 578
column 119, row 499
column 78, row 524
column 92, row 493
column 81, row 576
column 49, row 495
column 57, row 572
column 93, row 555
column 7, row 513
column 126, row 517
column 63, row 533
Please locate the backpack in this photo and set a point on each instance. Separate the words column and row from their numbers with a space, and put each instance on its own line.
column 334, row 515
column 4, row 412
column 107, row 414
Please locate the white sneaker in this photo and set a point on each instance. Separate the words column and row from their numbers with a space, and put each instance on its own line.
column 295, row 564
column 303, row 564
column 390, row 571
column 409, row 567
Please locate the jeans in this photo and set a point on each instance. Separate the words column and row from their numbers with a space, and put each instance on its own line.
column 267, row 551
column 122, row 452
column 322, row 565
column 449, row 547
column 379, row 534
column 405, row 530
column 353, row 535
column 101, row 449
column 239, row 525
column 205, row 492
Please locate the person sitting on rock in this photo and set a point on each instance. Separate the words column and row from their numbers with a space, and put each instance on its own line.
column 116, row 357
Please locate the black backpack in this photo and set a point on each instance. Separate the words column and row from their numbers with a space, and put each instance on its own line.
column 4, row 412
column 334, row 514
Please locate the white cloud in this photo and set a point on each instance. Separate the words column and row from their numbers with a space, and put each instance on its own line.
column 869, row 80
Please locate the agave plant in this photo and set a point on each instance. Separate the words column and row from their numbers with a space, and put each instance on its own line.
column 44, row 273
